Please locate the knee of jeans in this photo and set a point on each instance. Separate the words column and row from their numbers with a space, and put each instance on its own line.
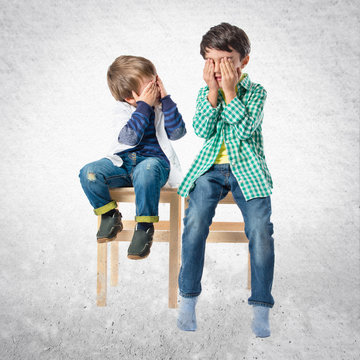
column 87, row 174
column 259, row 235
column 197, row 220
column 149, row 173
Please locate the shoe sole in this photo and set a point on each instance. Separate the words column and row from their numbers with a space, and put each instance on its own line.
column 139, row 257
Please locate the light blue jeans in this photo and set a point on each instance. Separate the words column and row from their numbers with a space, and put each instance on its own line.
column 146, row 174
column 209, row 189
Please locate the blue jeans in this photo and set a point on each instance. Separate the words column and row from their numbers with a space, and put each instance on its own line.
column 209, row 189
column 146, row 174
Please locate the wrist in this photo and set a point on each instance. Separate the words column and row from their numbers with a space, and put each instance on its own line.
column 229, row 95
column 167, row 103
column 213, row 92
column 165, row 96
column 212, row 97
column 144, row 108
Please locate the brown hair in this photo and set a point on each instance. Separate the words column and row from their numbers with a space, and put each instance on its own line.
column 224, row 36
column 125, row 74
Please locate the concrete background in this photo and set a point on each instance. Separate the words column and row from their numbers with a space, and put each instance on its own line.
column 55, row 109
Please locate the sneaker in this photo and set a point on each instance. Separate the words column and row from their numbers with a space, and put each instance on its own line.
column 140, row 244
column 109, row 227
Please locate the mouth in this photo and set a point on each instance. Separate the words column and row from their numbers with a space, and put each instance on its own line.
column 218, row 78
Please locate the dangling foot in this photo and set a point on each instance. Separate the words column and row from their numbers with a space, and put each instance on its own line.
column 110, row 225
column 141, row 243
column 260, row 324
column 187, row 317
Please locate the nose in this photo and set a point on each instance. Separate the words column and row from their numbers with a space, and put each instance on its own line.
column 217, row 66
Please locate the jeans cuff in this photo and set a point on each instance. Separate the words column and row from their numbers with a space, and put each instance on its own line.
column 259, row 303
column 104, row 209
column 147, row 219
column 188, row 295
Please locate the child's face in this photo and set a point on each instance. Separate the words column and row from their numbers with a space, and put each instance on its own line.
column 217, row 55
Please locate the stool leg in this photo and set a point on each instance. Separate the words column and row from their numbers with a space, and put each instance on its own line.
column 101, row 274
column 249, row 272
column 114, row 264
column 174, row 249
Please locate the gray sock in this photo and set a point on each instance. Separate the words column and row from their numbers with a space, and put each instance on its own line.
column 186, row 316
column 260, row 324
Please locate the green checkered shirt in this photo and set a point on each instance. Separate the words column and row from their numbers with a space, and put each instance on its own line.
column 239, row 125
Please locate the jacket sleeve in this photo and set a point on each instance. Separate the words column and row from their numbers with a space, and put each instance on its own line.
column 206, row 117
column 245, row 118
column 174, row 124
column 132, row 132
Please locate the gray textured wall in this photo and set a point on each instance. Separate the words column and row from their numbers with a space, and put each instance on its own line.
column 55, row 109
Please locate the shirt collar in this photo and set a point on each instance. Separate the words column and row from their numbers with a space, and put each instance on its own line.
column 244, row 81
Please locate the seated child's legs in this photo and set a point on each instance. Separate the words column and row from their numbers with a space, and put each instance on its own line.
column 96, row 177
column 149, row 176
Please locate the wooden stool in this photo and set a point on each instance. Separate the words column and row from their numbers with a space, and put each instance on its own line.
column 165, row 231
column 228, row 232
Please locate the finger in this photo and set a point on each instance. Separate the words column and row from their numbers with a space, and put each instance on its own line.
column 135, row 95
column 161, row 85
column 211, row 68
column 151, row 89
column 206, row 66
column 151, row 86
column 228, row 65
column 223, row 68
column 147, row 88
column 231, row 65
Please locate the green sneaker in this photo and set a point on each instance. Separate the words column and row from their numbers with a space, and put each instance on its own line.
column 109, row 227
column 140, row 244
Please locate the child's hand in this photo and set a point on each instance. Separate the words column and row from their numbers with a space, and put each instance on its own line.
column 161, row 87
column 229, row 78
column 209, row 75
column 149, row 94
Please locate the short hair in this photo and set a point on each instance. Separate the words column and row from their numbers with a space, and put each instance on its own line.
column 224, row 36
column 125, row 74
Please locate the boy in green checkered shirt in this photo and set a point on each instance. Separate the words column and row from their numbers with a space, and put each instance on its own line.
column 229, row 114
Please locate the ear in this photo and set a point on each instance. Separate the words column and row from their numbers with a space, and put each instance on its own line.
column 130, row 101
column 245, row 61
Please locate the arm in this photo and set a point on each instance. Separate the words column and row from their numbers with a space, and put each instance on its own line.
column 245, row 119
column 133, row 130
column 174, row 124
column 206, row 117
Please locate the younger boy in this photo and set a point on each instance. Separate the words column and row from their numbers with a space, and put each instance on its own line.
column 141, row 154
column 229, row 114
